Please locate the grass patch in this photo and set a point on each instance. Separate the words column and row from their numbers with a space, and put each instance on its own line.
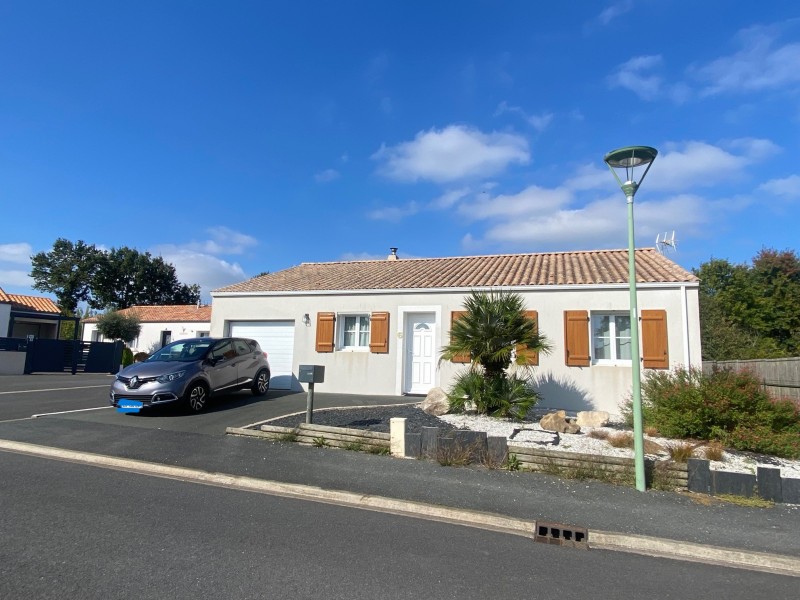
column 714, row 450
column 319, row 442
column 288, row 437
column 752, row 502
column 651, row 431
column 378, row 450
column 354, row 446
column 513, row 463
column 598, row 434
column 454, row 455
column 623, row 439
column 680, row 451
column 591, row 471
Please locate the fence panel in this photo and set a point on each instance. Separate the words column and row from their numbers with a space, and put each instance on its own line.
column 781, row 376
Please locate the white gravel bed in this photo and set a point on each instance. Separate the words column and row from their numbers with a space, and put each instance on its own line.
column 532, row 435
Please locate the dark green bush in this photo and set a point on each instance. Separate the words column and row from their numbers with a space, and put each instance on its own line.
column 725, row 405
column 127, row 356
column 498, row 396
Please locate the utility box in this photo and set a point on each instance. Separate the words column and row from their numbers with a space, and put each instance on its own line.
column 311, row 374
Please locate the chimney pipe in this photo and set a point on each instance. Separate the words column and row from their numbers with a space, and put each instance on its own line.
column 393, row 255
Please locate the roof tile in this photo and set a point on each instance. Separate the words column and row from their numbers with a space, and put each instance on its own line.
column 174, row 313
column 595, row 267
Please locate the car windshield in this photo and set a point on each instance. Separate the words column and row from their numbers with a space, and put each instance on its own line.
column 182, row 351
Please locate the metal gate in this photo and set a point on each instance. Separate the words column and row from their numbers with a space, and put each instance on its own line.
column 57, row 356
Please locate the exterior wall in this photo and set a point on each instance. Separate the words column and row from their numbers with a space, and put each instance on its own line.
column 149, row 338
column 5, row 317
column 597, row 387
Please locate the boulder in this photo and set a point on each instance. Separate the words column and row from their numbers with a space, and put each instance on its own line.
column 558, row 422
column 592, row 418
column 436, row 403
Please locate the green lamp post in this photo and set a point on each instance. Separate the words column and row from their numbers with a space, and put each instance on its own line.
column 629, row 159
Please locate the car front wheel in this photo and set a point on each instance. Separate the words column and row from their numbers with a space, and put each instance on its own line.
column 197, row 397
column 261, row 383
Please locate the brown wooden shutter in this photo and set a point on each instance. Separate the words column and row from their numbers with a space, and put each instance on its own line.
column 576, row 338
column 454, row 316
column 379, row 332
column 325, row 331
column 531, row 356
column 655, row 350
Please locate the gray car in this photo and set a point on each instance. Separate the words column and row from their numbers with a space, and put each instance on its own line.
column 190, row 371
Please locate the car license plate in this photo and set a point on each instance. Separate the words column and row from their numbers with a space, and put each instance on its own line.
column 129, row 406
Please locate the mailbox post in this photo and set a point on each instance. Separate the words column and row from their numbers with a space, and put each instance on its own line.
column 311, row 374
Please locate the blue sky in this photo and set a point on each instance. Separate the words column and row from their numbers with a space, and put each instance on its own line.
column 236, row 137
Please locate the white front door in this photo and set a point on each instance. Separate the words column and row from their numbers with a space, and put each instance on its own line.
column 420, row 348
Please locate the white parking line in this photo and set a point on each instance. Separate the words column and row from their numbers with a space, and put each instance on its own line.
column 64, row 412
column 82, row 387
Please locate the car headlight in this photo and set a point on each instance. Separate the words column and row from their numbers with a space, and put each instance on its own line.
column 170, row 377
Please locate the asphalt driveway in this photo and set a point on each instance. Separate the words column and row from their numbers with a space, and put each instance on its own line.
column 84, row 398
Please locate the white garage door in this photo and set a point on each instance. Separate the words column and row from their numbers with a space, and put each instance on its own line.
column 276, row 338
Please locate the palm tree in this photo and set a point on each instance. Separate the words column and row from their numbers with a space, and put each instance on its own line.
column 495, row 333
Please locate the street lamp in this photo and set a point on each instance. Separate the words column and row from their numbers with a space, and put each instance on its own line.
column 630, row 159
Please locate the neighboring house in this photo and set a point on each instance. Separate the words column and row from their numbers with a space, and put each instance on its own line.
column 160, row 325
column 22, row 316
column 378, row 326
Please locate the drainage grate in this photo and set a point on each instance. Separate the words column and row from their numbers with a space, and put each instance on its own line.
column 561, row 535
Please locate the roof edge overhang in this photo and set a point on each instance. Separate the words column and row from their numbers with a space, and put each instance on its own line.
column 463, row 290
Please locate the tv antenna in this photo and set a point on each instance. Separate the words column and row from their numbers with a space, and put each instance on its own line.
column 666, row 242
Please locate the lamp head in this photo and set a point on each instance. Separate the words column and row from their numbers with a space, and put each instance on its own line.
column 630, row 158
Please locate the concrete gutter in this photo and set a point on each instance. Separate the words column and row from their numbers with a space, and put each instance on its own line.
column 599, row 540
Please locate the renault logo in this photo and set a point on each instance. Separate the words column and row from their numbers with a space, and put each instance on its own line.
column 134, row 382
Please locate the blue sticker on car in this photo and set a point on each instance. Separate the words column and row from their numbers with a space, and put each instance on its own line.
column 129, row 406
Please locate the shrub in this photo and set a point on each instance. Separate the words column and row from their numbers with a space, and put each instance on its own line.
column 680, row 452
column 127, row 356
column 498, row 396
column 724, row 405
column 715, row 450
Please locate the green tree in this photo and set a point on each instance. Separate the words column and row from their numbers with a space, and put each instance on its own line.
column 750, row 311
column 66, row 271
column 496, row 334
column 117, row 326
column 126, row 277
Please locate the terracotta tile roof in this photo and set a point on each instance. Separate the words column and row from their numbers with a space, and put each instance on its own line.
column 29, row 303
column 595, row 267
column 175, row 313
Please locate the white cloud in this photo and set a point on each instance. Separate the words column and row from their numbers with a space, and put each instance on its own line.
column 613, row 11
column 760, row 64
column 326, row 175
column 223, row 241
column 454, row 153
column 787, row 188
column 699, row 164
column 634, row 75
column 450, row 198
column 16, row 278
column 394, row 213
column 532, row 200
column 19, row 254
column 538, row 122
column 208, row 271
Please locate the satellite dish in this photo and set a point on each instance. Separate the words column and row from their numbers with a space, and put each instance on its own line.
column 666, row 243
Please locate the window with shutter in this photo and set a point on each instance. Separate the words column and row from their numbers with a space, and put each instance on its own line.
column 325, row 331
column 655, row 349
column 531, row 356
column 576, row 338
column 454, row 316
column 379, row 333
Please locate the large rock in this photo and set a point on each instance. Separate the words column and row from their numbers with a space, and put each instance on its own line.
column 592, row 418
column 436, row 403
column 557, row 421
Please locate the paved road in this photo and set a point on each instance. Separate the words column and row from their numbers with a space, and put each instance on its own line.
column 73, row 531
column 171, row 437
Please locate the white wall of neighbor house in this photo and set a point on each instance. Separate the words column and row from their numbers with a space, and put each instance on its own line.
column 151, row 334
column 602, row 385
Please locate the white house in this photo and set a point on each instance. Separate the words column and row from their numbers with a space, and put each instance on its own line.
column 160, row 325
column 22, row 316
column 378, row 326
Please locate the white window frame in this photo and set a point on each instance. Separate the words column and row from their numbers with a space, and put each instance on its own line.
column 614, row 360
column 341, row 320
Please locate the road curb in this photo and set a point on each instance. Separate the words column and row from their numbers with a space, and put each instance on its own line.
column 601, row 540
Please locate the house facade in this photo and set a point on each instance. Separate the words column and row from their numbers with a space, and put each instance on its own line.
column 22, row 316
column 378, row 326
column 160, row 325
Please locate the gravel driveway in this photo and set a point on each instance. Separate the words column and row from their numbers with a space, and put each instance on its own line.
column 370, row 418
